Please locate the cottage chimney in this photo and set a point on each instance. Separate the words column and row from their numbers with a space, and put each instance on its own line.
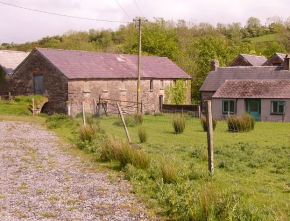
column 286, row 63
column 214, row 64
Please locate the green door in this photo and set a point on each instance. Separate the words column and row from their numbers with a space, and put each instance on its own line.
column 254, row 108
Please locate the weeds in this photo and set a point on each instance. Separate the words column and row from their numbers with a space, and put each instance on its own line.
column 204, row 123
column 124, row 154
column 143, row 136
column 59, row 120
column 131, row 121
column 178, row 124
column 245, row 122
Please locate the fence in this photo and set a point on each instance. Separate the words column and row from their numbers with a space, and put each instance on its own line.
column 6, row 97
column 172, row 108
column 103, row 106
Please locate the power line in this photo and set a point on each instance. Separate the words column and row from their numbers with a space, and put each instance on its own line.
column 139, row 8
column 69, row 16
column 5, row 36
column 123, row 9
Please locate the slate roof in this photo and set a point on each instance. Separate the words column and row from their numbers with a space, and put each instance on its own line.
column 9, row 60
column 251, row 60
column 216, row 78
column 275, row 60
column 279, row 89
column 90, row 65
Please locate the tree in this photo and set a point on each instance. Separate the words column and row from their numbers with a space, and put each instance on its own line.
column 253, row 22
column 159, row 38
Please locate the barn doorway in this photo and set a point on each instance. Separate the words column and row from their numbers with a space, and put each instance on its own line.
column 38, row 84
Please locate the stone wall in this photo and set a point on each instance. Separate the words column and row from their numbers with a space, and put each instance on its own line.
column 122, row 90
column 54, row 82
column 64, row 94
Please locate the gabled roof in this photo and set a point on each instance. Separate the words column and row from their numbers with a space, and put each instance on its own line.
column 279, row 89
column 248, row 60
column 9, row 60
column 216, row 78
column 276, row 59
column 90, row 65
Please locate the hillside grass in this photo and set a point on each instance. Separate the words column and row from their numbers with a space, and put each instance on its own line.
column 251, row 179
column 264, row 38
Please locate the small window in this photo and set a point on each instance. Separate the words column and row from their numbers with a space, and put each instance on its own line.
column 151, row 85
column 123, row 86
column 105, row 86
column 278, row 107
column 87, row 87
column 161, row 84
column 228, row 106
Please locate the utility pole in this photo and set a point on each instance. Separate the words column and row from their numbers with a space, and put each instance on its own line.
column 139, row 66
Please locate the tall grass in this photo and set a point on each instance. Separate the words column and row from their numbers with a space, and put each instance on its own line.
column 143, row 135
column 178, row 124
column 204, row 123
column 124, row 153
column 244, row 122
column 251, row 180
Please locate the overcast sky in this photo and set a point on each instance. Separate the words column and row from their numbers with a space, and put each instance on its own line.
column 26, row 21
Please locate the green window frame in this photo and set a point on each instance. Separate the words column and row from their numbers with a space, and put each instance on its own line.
column 229, row 107
column 278, row 107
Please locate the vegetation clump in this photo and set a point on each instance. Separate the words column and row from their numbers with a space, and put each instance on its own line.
column 178, row 124
column 124, row 153
column 204, row 124
column 59, row 120
column 130, row 120
column 244, row 122
column 142, row 133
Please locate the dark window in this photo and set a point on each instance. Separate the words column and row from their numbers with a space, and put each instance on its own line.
column 278, row 107
column 228, row 106
column 38, row 84
column 151, row 85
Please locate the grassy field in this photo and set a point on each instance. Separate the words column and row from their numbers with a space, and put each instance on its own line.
column 270, row 37
column 251, row 179
column 251, row 166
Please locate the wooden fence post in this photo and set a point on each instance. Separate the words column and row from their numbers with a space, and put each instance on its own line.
column 124, row 123
column 84, row 115
column 32, row 106
column 95, row 106
column 199, row 112
column 209, row 137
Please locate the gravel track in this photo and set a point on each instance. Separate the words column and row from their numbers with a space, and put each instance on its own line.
column 39, row 181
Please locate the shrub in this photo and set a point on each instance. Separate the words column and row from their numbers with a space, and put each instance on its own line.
column 124, row 153
column 143, row 136
column 87, row 133
column 244, row 122
column 138, row 118
column 147, row 112
column 178, row 124
column 169, row 173
column 204, row 124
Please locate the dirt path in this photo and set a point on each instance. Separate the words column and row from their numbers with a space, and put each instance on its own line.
column 38, row 181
